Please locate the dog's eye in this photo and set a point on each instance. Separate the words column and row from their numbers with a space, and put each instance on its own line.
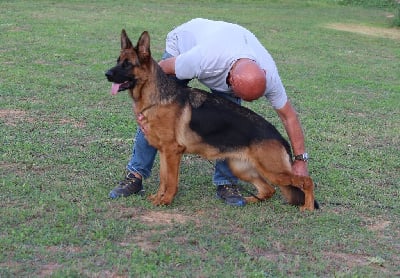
column 126, row 63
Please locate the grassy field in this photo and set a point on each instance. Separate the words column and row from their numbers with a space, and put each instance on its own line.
column 65, row 142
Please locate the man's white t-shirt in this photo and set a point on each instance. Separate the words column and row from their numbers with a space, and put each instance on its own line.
column 206, row 50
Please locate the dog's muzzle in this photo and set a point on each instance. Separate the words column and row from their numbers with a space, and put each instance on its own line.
column 109, row 74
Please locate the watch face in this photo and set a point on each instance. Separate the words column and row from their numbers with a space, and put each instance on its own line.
column 303, row 157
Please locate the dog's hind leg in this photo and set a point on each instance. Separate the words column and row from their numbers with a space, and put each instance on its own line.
column 169, row 172
column 273, row 163
column 246, row 172
column 298, row 190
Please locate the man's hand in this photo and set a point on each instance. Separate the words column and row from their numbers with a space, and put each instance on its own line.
column 299, row 167
column 168, row 65
column 141, row 121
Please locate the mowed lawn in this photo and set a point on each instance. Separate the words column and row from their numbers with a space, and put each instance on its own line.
column 65, row 142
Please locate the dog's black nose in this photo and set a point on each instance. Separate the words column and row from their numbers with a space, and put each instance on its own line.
column 109, row 74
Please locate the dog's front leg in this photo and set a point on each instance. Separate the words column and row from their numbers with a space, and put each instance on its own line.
column 169, row 172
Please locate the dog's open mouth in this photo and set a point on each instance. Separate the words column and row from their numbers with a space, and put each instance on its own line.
column 118, row 87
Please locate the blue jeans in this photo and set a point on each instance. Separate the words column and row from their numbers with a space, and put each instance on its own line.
column 143, row 154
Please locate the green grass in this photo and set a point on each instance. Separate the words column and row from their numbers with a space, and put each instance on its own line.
column 65, row 143
column 391, row 5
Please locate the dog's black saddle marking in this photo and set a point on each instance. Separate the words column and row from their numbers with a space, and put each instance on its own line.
column 227, row 125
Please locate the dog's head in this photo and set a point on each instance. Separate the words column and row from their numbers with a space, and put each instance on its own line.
column 131, row 60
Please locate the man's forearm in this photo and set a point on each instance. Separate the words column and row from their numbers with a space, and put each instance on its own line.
column 293, row 128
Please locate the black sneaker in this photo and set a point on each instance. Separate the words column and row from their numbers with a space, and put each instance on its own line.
column 231, row 195
column 130, row 185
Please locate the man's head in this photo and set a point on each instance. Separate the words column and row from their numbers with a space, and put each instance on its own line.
column 247, row 80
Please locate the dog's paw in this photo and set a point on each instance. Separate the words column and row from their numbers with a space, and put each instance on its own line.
column 305, row 208
column 152, row 197
column 160, row 201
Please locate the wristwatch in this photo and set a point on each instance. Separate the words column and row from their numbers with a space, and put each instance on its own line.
column 302, row 157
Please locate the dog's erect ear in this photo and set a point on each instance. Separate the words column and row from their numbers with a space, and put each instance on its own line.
column 143, row 47
column 125, row 41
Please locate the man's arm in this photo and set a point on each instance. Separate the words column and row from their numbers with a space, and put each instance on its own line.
column 168, row 65
column 291, row 122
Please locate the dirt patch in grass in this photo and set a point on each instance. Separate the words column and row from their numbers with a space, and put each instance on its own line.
column 351, row 260
column 390, row 33
column 158, row 217
column 382, row 228
column 13, row 117
column 152, row 217
column 379, row 226
column 11, row 167
column 161, row 221
column 48, row 269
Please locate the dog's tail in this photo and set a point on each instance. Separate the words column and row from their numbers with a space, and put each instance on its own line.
column 295, row 196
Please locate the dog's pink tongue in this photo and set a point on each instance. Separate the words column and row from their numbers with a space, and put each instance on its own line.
column 115, row 88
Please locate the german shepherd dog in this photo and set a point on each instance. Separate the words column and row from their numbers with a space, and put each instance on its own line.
column 177, row 120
